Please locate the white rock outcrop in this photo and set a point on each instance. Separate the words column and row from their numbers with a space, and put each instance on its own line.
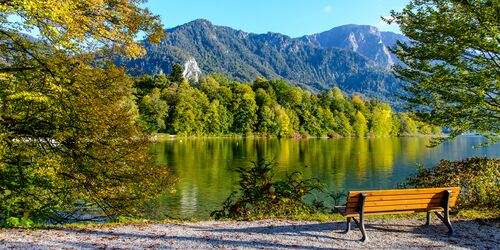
column 191, row 70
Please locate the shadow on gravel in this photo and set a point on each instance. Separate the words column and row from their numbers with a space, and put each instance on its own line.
column 214, row 241
column 468, row 234
column 307, row 230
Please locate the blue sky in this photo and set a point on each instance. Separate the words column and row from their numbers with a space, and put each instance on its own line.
column 289, row 17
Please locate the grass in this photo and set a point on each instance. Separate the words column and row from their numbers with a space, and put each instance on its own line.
column 474, row 214
column 492, row 214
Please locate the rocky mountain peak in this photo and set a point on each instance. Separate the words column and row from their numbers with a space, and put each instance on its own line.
column 364, row 39
column 199, row 22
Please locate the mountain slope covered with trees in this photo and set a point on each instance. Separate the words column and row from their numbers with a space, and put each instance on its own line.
column 243, row 57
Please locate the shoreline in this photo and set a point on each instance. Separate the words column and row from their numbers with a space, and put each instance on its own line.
column 169, row 137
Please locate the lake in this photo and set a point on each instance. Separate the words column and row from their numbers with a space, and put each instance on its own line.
column 206, row 167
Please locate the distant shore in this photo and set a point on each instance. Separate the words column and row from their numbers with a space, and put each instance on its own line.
column 165, row 137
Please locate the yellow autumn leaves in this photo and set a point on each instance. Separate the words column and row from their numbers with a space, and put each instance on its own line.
column 83, row 25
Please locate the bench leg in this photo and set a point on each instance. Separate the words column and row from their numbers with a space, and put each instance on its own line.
column 348, row 227
column 446, row 218
column 446, row 221
column 362, row 227
column 428, row 220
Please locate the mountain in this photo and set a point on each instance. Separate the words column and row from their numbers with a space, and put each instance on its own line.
column 363, row 39
column 317, row 62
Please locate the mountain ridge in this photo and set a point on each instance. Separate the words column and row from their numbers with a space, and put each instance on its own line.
column 312, row 62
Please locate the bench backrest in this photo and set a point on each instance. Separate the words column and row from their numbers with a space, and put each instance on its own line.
column 420, row 199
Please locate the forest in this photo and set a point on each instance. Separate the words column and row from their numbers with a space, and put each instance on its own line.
column 217, row 106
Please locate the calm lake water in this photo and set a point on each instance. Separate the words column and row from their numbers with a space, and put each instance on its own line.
column 206, row 167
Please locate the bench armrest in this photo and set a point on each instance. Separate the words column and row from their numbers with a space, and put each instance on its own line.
column 341, row 209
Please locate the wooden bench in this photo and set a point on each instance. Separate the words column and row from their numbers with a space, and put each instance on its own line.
column 398, row 201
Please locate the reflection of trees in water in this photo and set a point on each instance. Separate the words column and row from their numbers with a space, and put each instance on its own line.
column 382, row 153
column 360, row 158
column 206, row 167
column 410, row 147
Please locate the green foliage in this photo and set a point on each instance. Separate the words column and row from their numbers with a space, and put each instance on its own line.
column 260, row 195
column 83, row 147
column 176, row 75
column 360, row 125
column 16, row 222
column 153, row 111
column 396, row 125
column 268, row 122
column 217, row 122
column 452, row 64
column 381, row 120
column 217, row 106
column 244, row 109
column 69, row 137
column 478, row 178
column 408, row 125
column 345, row 128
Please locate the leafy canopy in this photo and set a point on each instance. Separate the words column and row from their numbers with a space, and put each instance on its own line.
column 270, row 108
column 452, row 63
column 69, row 136
column 83, row 25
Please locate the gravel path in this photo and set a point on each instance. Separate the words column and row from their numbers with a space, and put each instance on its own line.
column 281, row 234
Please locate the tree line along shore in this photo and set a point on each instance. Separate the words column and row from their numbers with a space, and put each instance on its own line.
column 217, row 106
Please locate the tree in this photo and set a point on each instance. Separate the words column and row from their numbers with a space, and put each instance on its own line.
column 381, row 124
column 212, row 118
column 177, row 74
column 345, row 128
column 218, row 120
column 359, row 125
column 78, row 145
column 69, row 136
column 452, row 63
column 244, row 109
column 268, row 123
column 153, row 111
column 285, row 126
column 408, row 125
column 81, row 25
column 358, row 103
column 336, row 99
column 396, row 125
column 328, row 122
column 262, row 98
column 190, row 111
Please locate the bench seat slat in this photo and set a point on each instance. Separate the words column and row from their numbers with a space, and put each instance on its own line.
column 393, row 212
column 396, row 208
column 355, row 198
column 404, row 191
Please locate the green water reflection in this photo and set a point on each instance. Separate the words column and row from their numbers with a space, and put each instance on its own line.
column 206, row 167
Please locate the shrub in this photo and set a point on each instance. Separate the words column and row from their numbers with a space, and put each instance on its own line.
column 16, row 222
column 478, row 178
column 261, row 196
